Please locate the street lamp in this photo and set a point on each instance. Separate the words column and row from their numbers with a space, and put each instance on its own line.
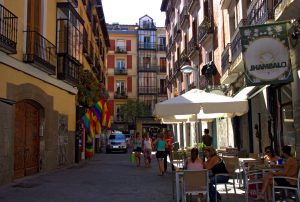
column 186, row 69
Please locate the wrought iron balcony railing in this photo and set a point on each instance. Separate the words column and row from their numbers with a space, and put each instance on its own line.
column 121, row 49
column 120, row 95
column 236, row 43
column 205, row 28
column 40, row 52
column 68, row 69
column 8, row 31
column 147, row 90
column 259, row 13
column 192, row 46
column 161, row 47
column 147, row 68
column 120, row 71
column 176, row 32
column 85, row 42
column 184, row 16
column 147, row 46
column 225, row 59
column 191, row 4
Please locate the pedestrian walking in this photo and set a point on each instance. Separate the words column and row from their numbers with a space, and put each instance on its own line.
column 169, row 140
column 137, row 148
column 147, row 148
column 206, row 138
column 160, row 145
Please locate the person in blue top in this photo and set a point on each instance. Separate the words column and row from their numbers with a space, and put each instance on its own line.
column 160, row 152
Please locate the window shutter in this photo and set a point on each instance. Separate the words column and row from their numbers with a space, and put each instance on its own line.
column 128, row 45
column 112, row 45
column 111, row 106
column 111, row 61
column 129, row 84
column 111, row 84
column 129, row 61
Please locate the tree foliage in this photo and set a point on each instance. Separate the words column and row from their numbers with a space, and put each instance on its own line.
column 133, row 109
column 89, row 89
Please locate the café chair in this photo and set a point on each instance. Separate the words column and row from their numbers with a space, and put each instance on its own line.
column 232, row 166
column 252, row 177
column 195, row 183
column 295, row 188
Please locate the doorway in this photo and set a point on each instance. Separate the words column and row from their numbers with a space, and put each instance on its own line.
column 26, row 138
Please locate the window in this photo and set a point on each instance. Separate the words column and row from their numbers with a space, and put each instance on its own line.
column 120, row 64
column 120, row 87
column 121, row 47
column 146, row 62
column 162, row 86
column 162, row 64
column 146, row 41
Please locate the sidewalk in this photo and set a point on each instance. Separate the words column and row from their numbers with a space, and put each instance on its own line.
column 106, row 177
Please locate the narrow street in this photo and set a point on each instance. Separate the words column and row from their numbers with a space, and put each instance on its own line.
column 107, row 177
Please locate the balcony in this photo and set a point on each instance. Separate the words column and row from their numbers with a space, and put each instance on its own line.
column 97, row 68
column 259, row 13
column 40, row 52
column 176, row 32
column 192, row 46
column 225, row 59
column 183, row 58
column 8, row 31
column 161, row 47
column 147, row 90
column 120, row 71
column 286, row 10
column 85, row 42
column 120, row 95
column 90, row 54
column 205, row 29
column 121, row 50
column 192, row 4
column 232, row 57
column 184, row 17
column 147, row 46
column 147, row 68
column 68, row 69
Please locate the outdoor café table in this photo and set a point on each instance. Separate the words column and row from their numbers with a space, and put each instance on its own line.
column 244, row 163
column 178, row 176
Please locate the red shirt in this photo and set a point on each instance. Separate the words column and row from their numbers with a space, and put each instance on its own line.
column 169, row 141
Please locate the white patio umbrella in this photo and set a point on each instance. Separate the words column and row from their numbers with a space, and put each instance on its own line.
column 198, row 101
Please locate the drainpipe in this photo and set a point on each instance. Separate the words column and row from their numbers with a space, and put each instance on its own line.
column 296, row 106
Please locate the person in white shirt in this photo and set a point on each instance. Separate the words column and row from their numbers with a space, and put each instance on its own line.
column 147, row 148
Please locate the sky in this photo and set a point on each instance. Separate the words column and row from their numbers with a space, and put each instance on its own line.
column 129, row 11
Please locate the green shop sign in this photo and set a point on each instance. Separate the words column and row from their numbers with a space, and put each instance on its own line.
column 266, row 54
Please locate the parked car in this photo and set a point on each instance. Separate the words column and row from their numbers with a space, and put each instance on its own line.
column 116, row 142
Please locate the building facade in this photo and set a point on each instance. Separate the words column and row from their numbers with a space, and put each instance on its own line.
column 136, row 71
column 122, row 72
column 202, row 33
column 42, row 57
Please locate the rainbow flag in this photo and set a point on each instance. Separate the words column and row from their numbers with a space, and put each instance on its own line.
column 97, row 109
column 104, row 114
column 86, row 119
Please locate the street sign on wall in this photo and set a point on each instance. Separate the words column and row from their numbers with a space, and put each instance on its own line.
column 266, row 54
